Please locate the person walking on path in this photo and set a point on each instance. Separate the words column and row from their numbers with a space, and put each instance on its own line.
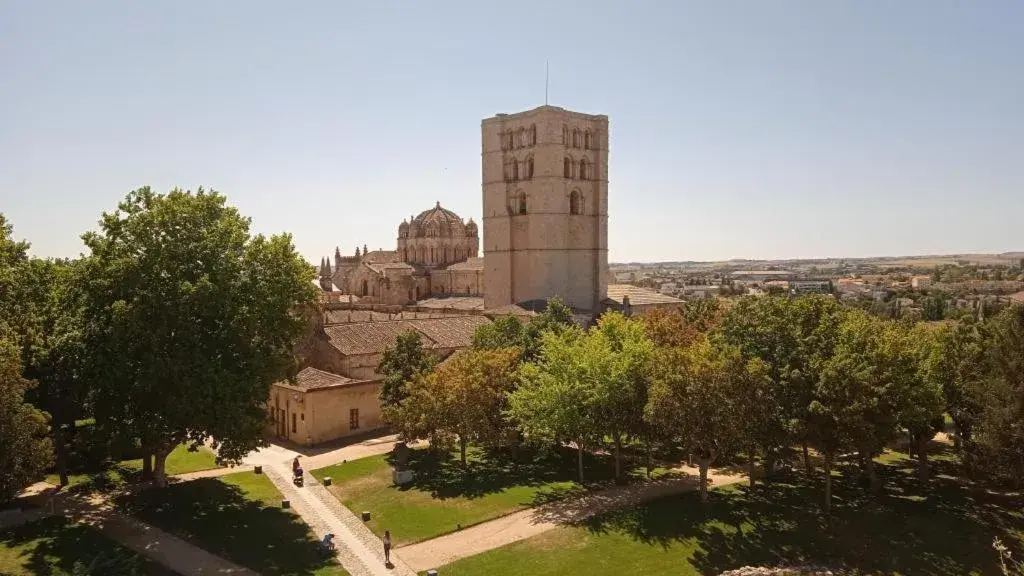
column 387, row 548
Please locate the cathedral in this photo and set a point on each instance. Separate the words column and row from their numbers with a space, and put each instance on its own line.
column 436, row 256
column 544, row 190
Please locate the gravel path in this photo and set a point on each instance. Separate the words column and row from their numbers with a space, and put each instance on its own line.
column 446, row 549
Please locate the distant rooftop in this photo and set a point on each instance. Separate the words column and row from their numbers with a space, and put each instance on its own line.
column 638, row 296
column 453, row 303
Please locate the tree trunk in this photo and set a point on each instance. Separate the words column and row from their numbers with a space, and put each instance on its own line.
column 147, row 465
column 462, row 449
column 769, row 465
column 869, row 467
column 579, row 459
column 60, row 452
column 618, row 457
column 650, row 449
column 807, row 459
column 159, row 467
column 828, row 485
column 750, row 466
column 922, row 459
column 702, row 466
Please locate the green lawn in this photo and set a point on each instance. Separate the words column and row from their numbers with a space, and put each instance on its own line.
column 944, row 529
column 239, row 517
column 180, row 461
column 54, row 545
column 443, row 495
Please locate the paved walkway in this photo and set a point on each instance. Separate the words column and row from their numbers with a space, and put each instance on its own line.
column 98, row 512
column 160, row 546
column 360, row 552
column 446, row 549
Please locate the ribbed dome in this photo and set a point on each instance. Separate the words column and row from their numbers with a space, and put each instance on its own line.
column 471, row 229
column 437, row 221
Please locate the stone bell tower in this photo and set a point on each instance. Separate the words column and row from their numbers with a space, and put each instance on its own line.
column 545, row 207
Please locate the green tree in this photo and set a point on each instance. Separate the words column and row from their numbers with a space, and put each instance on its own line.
column 556, row 399
column 400, row 364
column 27, row 451
column 461, row 401
column 999, row 429
column 505, row 332
column 621, row 388
column 935, row 307
column 957, row 364
column 54, row 354
column 694, row 398
column 867, row 380
column 763, row 328
column 815, row 320
column 188, row 319
column 923, row 403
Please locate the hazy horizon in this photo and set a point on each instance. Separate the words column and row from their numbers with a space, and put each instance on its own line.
column 756, row 131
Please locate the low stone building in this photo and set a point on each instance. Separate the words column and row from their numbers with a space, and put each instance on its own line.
column 335, row 394
column 317, row 406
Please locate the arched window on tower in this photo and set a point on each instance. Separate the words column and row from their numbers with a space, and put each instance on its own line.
column 506, row 172
column 509, row 139
column 565, row 135
column 583, row 169
column 515, row 170
column 575, row 139
column 586, row 140
column 533, row 134
column 522, row 137
column 575, row 202
column 529, row 168
column 567, row 168
column 522, row 202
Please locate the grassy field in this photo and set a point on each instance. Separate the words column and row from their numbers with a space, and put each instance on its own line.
column 179, row 461
column 944, row 528
column 239, row 517
column 444, row 495
column 54, row 545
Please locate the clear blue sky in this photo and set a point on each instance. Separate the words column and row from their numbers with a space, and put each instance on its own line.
column 738, row 128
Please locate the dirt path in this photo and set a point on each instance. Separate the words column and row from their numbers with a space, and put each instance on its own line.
column 521, row 525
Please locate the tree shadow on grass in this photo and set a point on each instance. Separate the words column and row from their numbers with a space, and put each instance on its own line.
column 492, row 471
column 54, row 545
column 219, row 518
column 943, row 527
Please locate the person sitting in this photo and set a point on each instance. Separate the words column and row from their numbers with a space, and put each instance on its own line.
column 328, row 542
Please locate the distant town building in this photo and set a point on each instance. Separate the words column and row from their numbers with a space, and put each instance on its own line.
column 634, row 300
column 921, row 282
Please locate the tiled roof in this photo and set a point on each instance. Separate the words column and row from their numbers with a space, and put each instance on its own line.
column 375, row 337
column 367, row 337
column 384, row 267
column 638, row 295
column 313, row 379
column 453, row 302
column 452, row 332
column 469, row 264
column 381, row 257
column 509, row 310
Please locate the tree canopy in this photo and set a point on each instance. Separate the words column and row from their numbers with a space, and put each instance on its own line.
column 188, row 319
